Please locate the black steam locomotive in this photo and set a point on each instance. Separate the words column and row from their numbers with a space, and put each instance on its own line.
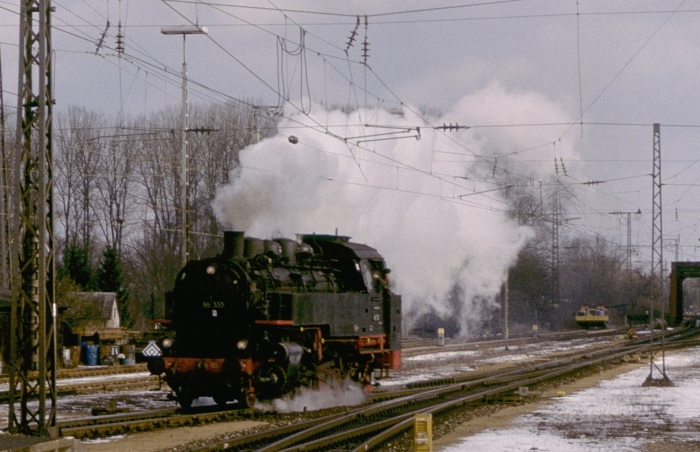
column 267, row 316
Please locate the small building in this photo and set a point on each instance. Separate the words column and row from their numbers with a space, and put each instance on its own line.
column 90, row 319
column 106, row 309
column 92, row 315
column 99, row 322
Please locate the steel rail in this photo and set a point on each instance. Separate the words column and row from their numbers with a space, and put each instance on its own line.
column 324, row 436
column 405, row 425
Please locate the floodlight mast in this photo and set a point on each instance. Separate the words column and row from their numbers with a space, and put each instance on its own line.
column 184, row 30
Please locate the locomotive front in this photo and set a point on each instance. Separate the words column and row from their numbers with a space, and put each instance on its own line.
column 209, row 331
column 265, row 317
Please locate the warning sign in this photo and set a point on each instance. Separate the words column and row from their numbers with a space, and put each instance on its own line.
column 151, row 350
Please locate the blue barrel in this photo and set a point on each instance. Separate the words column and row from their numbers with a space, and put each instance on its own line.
column 93, row 355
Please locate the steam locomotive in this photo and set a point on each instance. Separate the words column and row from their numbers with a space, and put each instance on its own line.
column 265, row 317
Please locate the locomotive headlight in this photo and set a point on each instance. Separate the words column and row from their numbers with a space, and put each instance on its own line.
column 211, row 270
column 242, row 344
column 167, row 342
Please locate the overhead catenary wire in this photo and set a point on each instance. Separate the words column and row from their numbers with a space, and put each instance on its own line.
column 505, row 125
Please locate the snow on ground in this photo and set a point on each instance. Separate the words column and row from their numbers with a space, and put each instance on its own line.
column 618, row 415
column 94, row 379
column 82, row 405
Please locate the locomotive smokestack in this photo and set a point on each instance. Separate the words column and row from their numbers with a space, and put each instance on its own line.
column 234, row 242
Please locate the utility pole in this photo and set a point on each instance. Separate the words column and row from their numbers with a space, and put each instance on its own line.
column 506, row 314
column 184, row 30
column 33, row 325
column 556, row 264
column 629, row 236
column 555, row 270
column 657, row 262
column 4, row 200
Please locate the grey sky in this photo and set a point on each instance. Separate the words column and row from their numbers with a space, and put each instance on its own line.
column 623, row 65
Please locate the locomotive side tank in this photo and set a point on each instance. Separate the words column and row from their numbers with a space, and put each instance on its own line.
column 267, row 316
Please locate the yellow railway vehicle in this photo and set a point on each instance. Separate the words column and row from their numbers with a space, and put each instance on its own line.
column 588, row 317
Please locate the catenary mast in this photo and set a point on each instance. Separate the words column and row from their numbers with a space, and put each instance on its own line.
column 33, row 341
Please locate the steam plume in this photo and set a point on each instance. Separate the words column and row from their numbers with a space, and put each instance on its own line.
column 412, row 199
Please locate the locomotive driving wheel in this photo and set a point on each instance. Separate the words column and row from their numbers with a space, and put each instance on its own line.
column 247, row 399
column 246, row 394
column 250, row 399
column 184, row 397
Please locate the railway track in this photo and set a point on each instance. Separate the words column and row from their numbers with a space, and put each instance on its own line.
column 388, row 417
column 414, row 345
column 372, row 427
column 86, row 372
column 111, row 382
column 119, row 424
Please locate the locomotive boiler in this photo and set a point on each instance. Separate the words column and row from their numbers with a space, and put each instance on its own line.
column 265, row 317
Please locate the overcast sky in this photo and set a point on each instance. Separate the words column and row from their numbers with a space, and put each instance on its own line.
column 584, row 80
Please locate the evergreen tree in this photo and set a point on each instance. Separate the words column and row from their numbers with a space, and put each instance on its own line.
column 76, row 266
column 109, row 279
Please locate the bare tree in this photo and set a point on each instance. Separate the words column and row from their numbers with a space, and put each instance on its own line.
column 151, row 257
column 113, row 187
column 592, row 274
column 76, row 162
column 119, row 186
column 158, row 184
column 226, row 130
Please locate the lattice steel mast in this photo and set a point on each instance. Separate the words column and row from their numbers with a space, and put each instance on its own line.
column 628, row 253
column 657, row 262
column 33, row 341
column 4, row 202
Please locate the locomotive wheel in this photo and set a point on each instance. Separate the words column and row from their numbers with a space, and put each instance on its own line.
column 185, row 400
column 184, row 397
column 250, row 399
column 247, row 400
column 272, row 381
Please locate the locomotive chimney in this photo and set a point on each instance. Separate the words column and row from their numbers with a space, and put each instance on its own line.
column 289, row 250
column 233, row 244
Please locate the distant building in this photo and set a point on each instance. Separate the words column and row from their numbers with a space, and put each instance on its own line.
column 91, row 316
column 87, row 316
column 104, row 309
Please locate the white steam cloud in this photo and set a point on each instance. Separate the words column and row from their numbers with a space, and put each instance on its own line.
column 334, row 394
column 433, row 207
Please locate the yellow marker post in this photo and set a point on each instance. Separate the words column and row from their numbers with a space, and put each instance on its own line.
column 423, row 433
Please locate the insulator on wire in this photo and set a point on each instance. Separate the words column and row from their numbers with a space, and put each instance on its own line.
column 353, row 33
column 120, row 39
column 365, row 44
column 365, row 51
column 102, row 38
